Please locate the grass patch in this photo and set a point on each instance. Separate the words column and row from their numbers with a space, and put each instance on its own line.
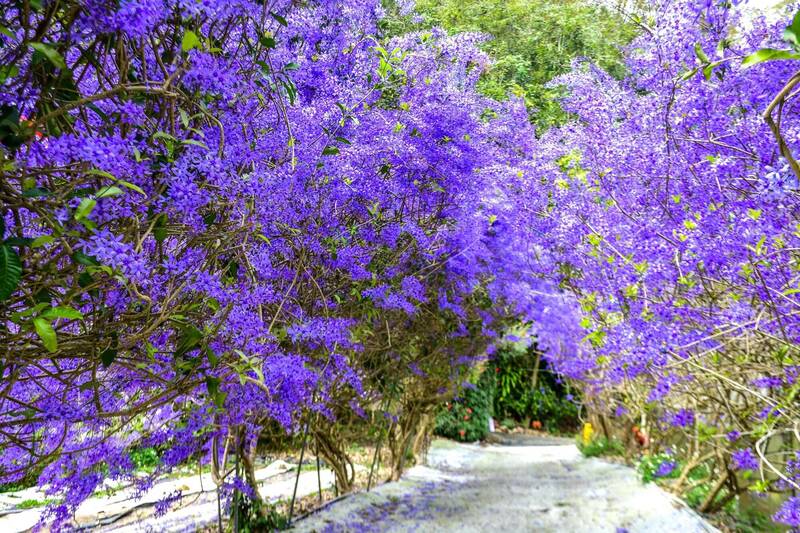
column 33, row 503
column 600, row 447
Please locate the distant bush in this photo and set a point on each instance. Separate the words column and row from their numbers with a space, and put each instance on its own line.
column 523, row 391
column 466, row 419
column 532, row 42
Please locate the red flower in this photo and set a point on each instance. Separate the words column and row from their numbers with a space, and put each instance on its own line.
column 496, row 369
column 469, row 410
column 462, row 432
column 30, row 123
column 466, row 417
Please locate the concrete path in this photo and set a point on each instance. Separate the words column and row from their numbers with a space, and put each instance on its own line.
column 496, row 488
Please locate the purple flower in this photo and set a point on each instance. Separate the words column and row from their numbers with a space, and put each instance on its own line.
column 683, row 418
column 666, row 468
column 745, row 460
column 789, row 513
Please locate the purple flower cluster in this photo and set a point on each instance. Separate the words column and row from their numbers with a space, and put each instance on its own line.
column 666, row 468
column 744, row 459
column 241, row 217
column 238, row 222
column 789, row 513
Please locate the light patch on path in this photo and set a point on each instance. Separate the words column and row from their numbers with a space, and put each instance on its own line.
column 126, row 512
column 468, row 488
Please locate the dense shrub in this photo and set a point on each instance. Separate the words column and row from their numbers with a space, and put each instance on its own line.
column 669, row 209
column 466, row 418
column 226, row 226
column 523, row 388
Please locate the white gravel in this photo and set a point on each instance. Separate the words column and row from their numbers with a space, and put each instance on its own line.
column 478, row 488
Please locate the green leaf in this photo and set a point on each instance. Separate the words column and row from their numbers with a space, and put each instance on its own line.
column 164, row 135
column 19, row 242
column 85, row 260
column 15, row 317
column 280, row 19
column 701, row 55
column 190, row 41
column 50, row 53
column 85, row 208
column 212, row 384
column 35, row 192
column 768, row 54
column 188, row 341
column 330, row 150
column 184, row 118
column 132, row 187
column 62, row 312
column 46, row 333
column 102, row 173
column 792, row 32
column 195, row 143
column 160, row 228
column 108, row 192
column 8, row 71
column 83, row 192
column 10, row 271
column 268, row 41
column 213, row 358
column 760, row 245
column 688, row 75
column 38, row 242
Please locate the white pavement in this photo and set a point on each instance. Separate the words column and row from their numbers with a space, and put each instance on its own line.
column 474, row 488
column 197, row 507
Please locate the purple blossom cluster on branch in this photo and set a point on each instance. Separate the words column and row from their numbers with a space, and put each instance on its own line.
column 669, row 208
column 223, row 218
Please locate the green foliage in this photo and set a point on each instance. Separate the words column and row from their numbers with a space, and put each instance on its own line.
column 506, row 391
column 509, row 423
column 751, row 521
column 600, row 447
column 467, row 418
column 696, row 495
column 145, row 459
column 533, row 42
column 10, row 271
column 34, row 503
column 523, row 389
column 255, row 517
column 512, row 383
column 649, row 464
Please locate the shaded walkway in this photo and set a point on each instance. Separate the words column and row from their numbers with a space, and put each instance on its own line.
column 529, row 487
